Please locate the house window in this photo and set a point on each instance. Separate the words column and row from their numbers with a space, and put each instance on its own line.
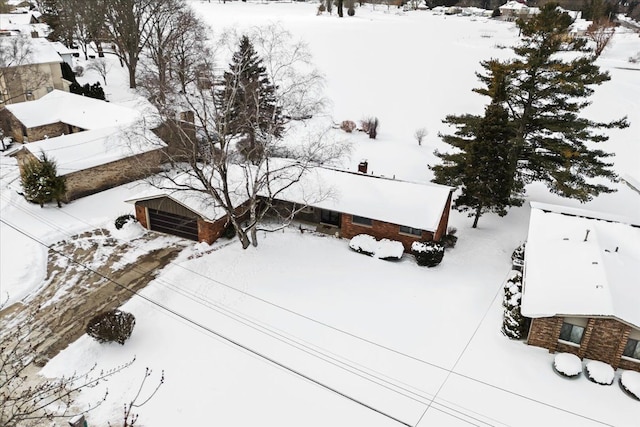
column 571, row 333
column 360, row 220
column 410, row 230
column 330, row 217
column 632, row 349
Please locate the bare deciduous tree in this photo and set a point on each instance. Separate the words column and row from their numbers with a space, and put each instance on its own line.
column 101, row 67
column 208, row 161
column 600, row 32
column 420, row 134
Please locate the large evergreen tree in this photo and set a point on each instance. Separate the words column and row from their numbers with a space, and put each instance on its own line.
column 246, row 101
column 41, row 183
column 532, row 131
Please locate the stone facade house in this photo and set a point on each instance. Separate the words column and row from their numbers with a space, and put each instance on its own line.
column 334, row 201
column 32, row 72
column 96, row 144
column 580, row 285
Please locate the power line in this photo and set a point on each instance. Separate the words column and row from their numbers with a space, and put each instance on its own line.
column 447, row 370
column 224, row 337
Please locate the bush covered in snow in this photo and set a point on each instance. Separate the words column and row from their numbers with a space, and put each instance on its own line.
column 567, row 364
column 428, row 254
column 517, row 257
column 630, row 383
column 348, row 126
column 514, row 324
column 600, row 372
column 384, row 249
column 112, row 325
column 123, row 219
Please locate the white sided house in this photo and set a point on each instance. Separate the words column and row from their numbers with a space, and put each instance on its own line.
column 353, row 203
column 580, row 285
column 96, row 144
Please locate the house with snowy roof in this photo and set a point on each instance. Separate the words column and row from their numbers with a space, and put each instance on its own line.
column 29, row 69
column 513, row 10
column 358, row 204
column 580, row 284
column 96, row 144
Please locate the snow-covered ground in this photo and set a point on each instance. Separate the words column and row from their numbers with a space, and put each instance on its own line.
column 389, row 335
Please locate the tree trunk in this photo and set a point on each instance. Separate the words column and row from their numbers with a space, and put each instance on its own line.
column 132, row 74
column 477, row 216
column 340, row 13
column 100, row 50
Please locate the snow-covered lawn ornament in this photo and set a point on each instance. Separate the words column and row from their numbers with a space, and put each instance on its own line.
column 630, row 383
column 600, row 372
column 567, row 364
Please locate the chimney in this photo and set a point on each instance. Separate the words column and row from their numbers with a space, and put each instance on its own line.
column 35, row 35
column 362, row 166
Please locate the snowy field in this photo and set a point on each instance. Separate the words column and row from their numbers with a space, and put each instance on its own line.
column 401, row 343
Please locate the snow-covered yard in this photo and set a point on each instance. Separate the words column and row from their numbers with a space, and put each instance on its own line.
column 389, row 335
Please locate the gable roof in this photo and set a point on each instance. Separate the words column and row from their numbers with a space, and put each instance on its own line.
column 76, row 110
column 417, row 205
column 42, row 50
column 84, row 150
column 581, row 263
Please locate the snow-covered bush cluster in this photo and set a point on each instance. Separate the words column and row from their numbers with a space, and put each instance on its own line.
column 517, row 257
column 630, row 382
column 112, row 325
column 567, row 364
column 382, row 249
column 124, row 219
column 514, row 324
column 348, row 126
column 427, row 254
column 600, row 372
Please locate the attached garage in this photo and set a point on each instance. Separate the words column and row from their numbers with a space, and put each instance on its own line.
column 167, row 214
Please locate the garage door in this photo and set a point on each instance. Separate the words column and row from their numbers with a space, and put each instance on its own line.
column 170, row 223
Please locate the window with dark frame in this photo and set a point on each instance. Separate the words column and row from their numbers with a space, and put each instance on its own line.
column 632, row 349
column 571, row 333
column 410, row 230
column 360, row 220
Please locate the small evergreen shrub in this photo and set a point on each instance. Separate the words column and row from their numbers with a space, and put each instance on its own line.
column 364, row 244
column 112, row 325
column 91, row 91
column 123, row 219
column 567, row 365
column 348, row 126
column 351, row 11
column 514, row 324
column 517, row 257
column 229, row 232
column 428, row 254
column 599, row 372
column 496, row 13
column 450, row 239
column 630, row 383
column 41, row 183
column 321, row 8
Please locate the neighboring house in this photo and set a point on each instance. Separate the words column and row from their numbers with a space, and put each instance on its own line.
column 95, row 144
column 65, row 53
column 580, row 285
column 59, row 113
column 359, row 204
column 513, row 10
column 29, row 69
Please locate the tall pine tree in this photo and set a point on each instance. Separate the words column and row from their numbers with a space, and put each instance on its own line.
column 548, row 84
column 484, row 167
column 41, row 183
column 246, row 102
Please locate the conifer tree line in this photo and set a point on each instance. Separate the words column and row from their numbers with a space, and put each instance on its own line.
column 532, row 129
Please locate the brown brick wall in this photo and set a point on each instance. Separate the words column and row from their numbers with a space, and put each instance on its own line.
column 209, row 232
column 99, row 178
column 380, row 230
column 141, row 216
column 52, row 130
column 605, row 341
column 444, row 220
column 544, row 332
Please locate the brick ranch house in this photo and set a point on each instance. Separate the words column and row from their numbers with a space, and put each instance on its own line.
column 359, row 204
column 95, row 144
column 580, row 285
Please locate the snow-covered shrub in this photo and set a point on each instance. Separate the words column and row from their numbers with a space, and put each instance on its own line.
column 123, row 219
column 389, row 249
column 321, row 8
column 78, row 70
column 369, row 126
column 351, row 11
column 427, row 254
column 567, row 364
column 112, row 325
column 517, row 257
column 514, row 324
column 630, row 383
column 364, row 244
column 348, row 126
column 600, row 372
column 450, row 239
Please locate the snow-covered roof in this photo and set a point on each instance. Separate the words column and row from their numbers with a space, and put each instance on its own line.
column 9, row 19
column 76, row 110
column 581, row 263
column 42, row 51
column 62, row 49
column 405, row 203
column 84, row 150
